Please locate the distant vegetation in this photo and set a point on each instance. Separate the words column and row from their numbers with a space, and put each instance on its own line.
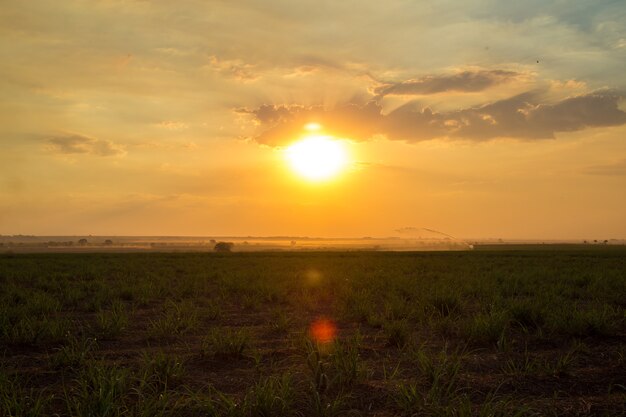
column 223, row 247
column 489, row 333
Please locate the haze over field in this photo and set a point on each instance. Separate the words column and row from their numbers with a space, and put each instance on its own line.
column 477, row 118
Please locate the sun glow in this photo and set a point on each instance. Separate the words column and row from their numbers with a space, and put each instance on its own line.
column 317, row 157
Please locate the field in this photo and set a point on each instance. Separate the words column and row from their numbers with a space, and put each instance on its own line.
column 486, row 333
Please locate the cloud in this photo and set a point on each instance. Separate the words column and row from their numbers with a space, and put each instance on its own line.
column 233, row 68
column 615, row 169
column 280, row 124
column 73, row 143
column 173, row 125
column 524, row 116
column 466, row 81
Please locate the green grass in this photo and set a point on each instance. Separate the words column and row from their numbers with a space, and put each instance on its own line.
column 175, row 320
column 272, row 396
column 74, row 353
column 225, row 343
column 161, row 370
column 487, row 328
column 99, row 390
column 398, row 333
column 111, row 323
column 16, row 400
column 483, row 333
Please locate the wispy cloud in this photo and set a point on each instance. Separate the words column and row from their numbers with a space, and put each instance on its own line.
column 233, row 68
column 466, row 81
column 173, row 125
column 73, row 143
column 614, row 169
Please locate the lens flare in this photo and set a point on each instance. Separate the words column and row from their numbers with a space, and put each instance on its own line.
column 323, row 330
column 312, row 277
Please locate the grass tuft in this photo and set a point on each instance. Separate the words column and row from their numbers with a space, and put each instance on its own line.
column 273, row 396
column 398, row 333
column 112, row 322
column 177, row 319
column 15, row 400
column 74, row 353
column 225, row 342
column 160, row 370
column 99, row 390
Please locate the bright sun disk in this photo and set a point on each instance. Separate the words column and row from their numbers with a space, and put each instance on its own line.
column 317, row 157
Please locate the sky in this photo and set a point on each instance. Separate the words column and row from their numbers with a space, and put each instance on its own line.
column 481, row 119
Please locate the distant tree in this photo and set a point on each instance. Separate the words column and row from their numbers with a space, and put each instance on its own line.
column 82, row 242
column 212, row 241
column 293, row 243
column 223, row 247
column 108, row 242
column 605, row 241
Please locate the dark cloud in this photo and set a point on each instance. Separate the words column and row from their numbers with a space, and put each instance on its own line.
column 523, row 116
column 615, row 169
column 466, row 81
column 73, row 143
column 281, row 124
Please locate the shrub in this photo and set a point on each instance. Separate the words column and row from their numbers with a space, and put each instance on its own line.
column 223, row 247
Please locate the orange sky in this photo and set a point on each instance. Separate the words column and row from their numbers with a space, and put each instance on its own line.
column 477, row 118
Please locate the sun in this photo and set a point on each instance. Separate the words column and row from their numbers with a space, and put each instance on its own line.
column 317, row 157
